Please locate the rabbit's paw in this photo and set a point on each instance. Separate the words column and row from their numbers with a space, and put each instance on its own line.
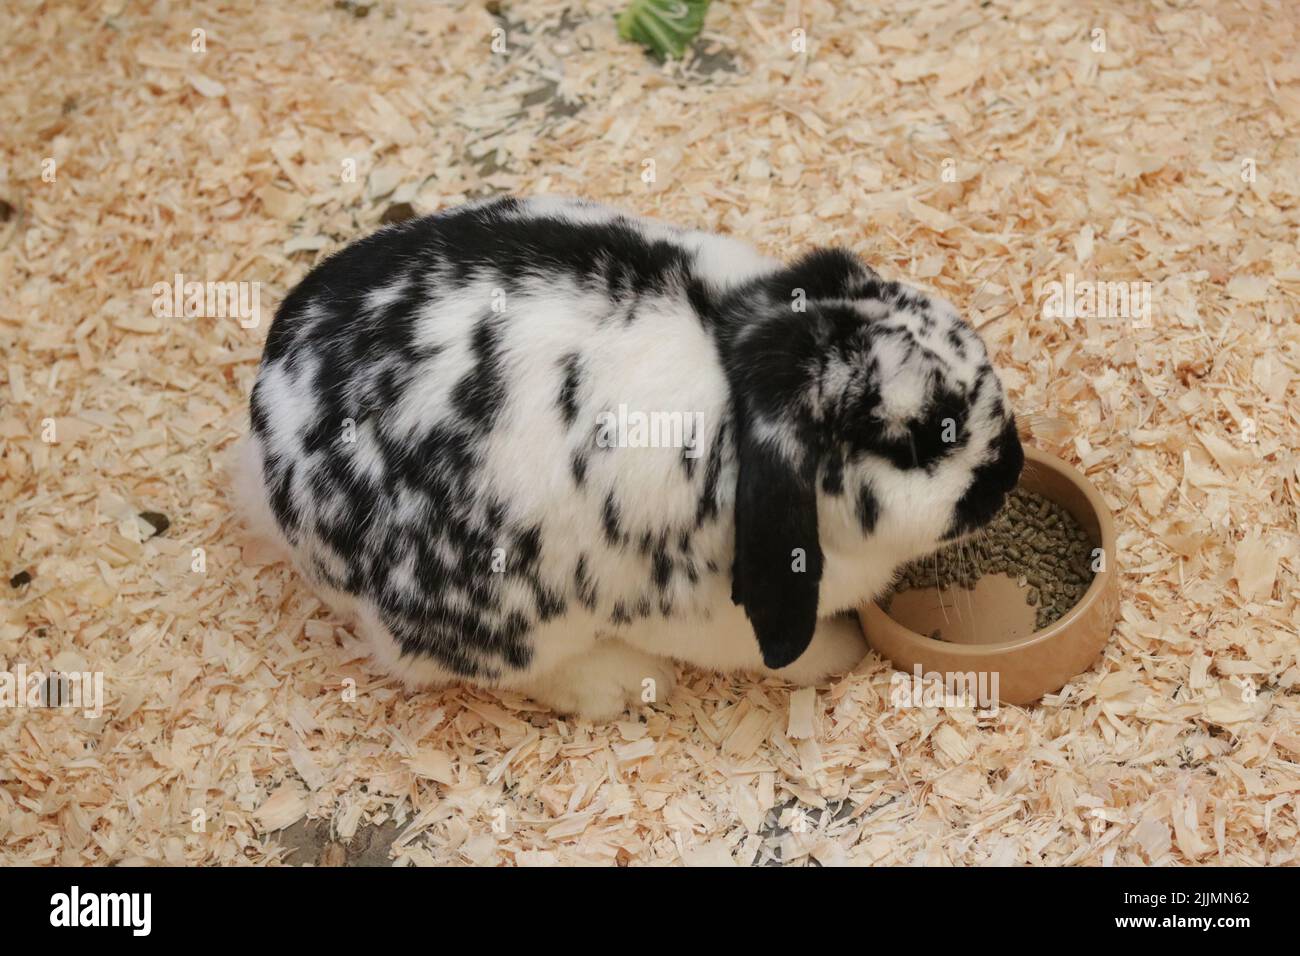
column 602, row 683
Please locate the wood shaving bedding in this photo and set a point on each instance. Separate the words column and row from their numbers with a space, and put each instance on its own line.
column 983, row 151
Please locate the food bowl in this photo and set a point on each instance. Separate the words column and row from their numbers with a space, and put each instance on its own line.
column 990, row 631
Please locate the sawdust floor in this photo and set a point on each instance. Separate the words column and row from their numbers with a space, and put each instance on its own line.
column 982, row 150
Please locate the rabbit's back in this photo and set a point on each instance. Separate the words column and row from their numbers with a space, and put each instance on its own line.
column 485, row 420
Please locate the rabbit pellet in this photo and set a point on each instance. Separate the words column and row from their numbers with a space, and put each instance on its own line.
column 1033, row 540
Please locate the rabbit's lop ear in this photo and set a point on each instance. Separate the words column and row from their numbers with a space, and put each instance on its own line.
column 778, row 562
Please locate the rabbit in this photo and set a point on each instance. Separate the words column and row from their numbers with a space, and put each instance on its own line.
column 542, row 445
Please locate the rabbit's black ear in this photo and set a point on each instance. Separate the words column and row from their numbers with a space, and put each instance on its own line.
column 829, row 274
column 778, row 565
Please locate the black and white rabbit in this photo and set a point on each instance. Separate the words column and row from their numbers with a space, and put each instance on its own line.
column 454, row 435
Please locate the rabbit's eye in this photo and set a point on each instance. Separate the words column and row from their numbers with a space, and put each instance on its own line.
column 949, row 409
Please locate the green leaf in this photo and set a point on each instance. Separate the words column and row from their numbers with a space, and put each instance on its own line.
column 665, row 26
